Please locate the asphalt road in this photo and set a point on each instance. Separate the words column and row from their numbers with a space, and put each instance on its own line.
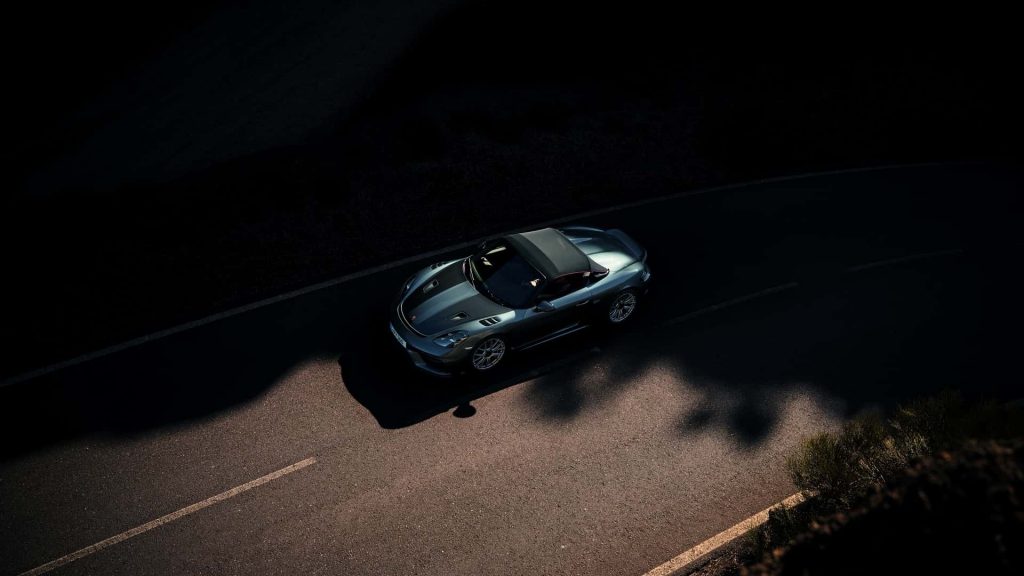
column 605, row 453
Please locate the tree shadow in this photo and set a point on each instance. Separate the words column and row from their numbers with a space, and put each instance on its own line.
column 193, row 375
column 881, row 335
column 862, row 340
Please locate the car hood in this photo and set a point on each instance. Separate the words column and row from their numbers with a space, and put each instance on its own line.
column 444, row 300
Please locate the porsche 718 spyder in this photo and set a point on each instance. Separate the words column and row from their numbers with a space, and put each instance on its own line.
column 516, row 292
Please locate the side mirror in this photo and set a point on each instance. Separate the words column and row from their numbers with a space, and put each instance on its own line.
column 543, row 306
column 599, row 274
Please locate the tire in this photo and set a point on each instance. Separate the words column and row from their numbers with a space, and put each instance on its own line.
column 621, row 308
column 488, row 354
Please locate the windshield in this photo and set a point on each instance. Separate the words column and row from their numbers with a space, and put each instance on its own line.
column 503, row 275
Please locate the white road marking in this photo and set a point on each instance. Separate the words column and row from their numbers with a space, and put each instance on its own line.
column 901, row 259
column 388, row 266
column 787, row 286
column 722, row 538
column 727, row 303
column 167, row 518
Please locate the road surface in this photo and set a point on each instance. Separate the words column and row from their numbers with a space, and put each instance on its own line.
column 605, row 453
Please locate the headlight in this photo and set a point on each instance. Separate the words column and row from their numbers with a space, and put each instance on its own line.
column 451, row 339
column 408, row 283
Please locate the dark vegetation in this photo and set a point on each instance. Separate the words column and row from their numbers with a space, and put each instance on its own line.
column 935, row 488
column 498, row 116
column 954, row 513
column 59, row 57
column 870, row 450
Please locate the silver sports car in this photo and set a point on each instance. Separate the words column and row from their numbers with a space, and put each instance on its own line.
column 516, row 292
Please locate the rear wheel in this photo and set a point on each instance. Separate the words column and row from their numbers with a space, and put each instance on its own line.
column 621, row 307
column 488, row 354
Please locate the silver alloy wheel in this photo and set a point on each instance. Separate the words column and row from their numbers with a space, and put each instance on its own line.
column 488, row 353
column 622, row 307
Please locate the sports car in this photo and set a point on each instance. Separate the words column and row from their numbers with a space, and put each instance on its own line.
column 515, row 292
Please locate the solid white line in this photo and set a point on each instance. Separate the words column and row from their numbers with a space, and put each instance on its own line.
column 727, row 303
column 722, row 538
column 168, row 518
column 356, row 275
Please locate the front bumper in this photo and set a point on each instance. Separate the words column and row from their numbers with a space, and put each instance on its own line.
column 433, row 368
column 422, row 352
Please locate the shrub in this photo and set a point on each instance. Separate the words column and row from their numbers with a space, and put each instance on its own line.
column 783, row 525
column 839, row 466
column 869, row 450
column 958, row 512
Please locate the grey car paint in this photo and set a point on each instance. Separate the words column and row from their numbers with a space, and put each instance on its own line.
column 440, row 300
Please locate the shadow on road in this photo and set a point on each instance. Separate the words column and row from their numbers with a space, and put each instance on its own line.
column 873, row 337
column 185, row 377
column 284, row 178
column 379, row 376
column 865, row 340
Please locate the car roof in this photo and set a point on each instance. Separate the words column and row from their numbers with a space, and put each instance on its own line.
column 550, row 252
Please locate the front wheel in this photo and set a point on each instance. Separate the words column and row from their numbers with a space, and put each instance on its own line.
column 488, row 354
column 621, row 307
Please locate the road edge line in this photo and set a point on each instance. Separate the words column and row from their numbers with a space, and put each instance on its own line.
column 722, row 538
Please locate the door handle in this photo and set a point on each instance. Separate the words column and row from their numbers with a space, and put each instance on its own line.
column 584, row 303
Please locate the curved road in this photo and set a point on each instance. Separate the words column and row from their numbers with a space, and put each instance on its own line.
column 605, row 453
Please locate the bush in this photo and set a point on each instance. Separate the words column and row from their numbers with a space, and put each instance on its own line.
column 958, row 512
column 783, row 525
column 840, row 466
column 868, row 451
column 946, row 421
column 927, row 451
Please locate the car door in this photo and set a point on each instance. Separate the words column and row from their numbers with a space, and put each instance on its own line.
column 560, row 305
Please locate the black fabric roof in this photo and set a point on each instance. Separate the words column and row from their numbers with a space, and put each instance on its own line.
column 550, row 252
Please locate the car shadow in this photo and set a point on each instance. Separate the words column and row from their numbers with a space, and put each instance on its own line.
column 379, row 376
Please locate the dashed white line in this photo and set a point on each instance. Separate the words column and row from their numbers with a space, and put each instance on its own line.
column 789, row 285
column 722, row 538
column 167, row 518
column 901, row 259
column 727, row 303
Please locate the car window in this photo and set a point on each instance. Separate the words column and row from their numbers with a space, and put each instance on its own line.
column 563, row 286
column 505, row 276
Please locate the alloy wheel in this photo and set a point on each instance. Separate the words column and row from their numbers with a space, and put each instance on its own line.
column 488, row 353
column 622, row 307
